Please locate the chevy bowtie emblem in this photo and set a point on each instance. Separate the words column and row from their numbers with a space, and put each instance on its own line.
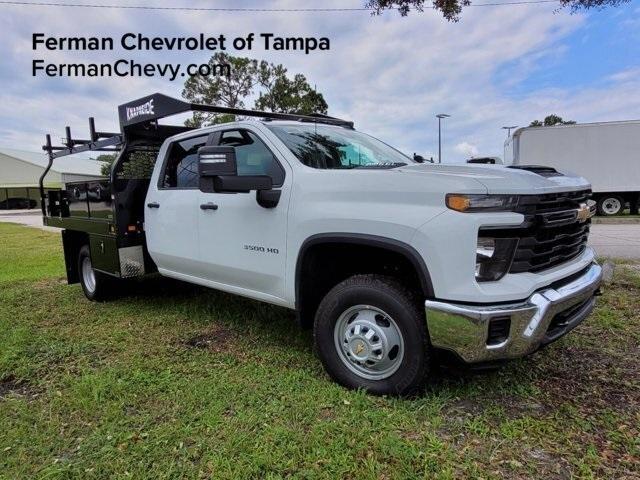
column 583, row 213
column 359, row 348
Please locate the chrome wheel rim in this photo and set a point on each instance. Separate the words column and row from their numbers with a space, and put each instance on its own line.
column 611, row 206
column 88, row 275
column 369, row 342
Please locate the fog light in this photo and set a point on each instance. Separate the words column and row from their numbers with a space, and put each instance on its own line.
column 493, row 257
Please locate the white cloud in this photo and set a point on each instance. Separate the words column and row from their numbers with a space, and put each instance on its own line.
column 467, row 149
column 625, row 76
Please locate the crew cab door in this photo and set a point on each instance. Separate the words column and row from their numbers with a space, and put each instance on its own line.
column 171, row 208
column 243, row 244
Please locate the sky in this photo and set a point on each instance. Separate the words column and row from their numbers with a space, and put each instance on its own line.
column 497, row 66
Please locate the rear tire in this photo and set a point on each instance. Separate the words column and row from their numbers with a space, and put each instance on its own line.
column 371, row 333
column 96, row 286
column 610, row 205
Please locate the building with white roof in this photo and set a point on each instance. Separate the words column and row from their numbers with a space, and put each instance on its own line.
column 20, row 171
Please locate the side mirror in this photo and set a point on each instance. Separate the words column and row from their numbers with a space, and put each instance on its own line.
column 214, row 161
column 218, row 171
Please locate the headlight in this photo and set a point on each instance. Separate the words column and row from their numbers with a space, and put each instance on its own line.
column 493, row 257
column 481, row 203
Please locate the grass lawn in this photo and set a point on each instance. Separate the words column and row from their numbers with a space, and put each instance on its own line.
column 174, row 381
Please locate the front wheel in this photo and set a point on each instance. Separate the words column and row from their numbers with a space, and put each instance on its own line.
column 370, row 333
column 96, row 286
column 610, row 205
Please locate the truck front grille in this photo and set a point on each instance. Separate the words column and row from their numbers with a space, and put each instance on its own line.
column 548, row 247
column 550, row 233
column 551, row 203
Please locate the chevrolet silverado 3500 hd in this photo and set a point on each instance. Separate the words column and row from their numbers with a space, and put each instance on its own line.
column 390, row 260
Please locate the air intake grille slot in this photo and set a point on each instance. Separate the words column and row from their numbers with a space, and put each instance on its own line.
column 498, row 330
column 538, row 169
column 562, row 320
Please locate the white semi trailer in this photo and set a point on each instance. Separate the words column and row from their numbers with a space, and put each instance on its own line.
column 606, row 153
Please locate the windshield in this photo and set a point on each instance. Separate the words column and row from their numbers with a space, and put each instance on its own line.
column 322, row 146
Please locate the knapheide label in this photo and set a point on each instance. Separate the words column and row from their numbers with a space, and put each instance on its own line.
column 144, row 109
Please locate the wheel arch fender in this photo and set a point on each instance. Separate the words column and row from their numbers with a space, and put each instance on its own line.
column 384, row 243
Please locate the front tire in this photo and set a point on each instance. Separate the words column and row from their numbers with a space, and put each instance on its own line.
column 96, row 286
column 610, row 205
column 370, row 333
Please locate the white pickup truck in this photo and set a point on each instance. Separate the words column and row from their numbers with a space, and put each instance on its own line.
column 390, row 260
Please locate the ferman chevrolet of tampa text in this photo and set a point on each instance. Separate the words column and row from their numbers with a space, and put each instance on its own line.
column 130, row 42
column 137, row 41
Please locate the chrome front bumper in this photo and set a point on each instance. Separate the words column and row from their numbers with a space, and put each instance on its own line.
column 544, row 317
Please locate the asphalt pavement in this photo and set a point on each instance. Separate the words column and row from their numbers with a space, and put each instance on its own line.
column 608, row 240
column 30, row 218
column 616, row 240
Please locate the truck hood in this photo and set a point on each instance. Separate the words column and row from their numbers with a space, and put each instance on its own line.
column 500, row 179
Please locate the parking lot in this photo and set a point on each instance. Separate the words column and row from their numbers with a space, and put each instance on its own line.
column 30, row 218
column 616, row 240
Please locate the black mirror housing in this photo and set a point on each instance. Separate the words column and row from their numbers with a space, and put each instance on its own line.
column 215, row 161
column 218, row 171
column 268, row 198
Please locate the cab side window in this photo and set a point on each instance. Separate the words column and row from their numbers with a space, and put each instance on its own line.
column 181, row 165
column 252, row 155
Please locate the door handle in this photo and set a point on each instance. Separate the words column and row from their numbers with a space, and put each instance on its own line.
column 153, row 205
column 208, row 206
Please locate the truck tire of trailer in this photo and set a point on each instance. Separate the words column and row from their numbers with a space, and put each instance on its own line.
column 614, row 203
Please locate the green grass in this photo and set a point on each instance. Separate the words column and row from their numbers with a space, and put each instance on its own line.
column 179, row 382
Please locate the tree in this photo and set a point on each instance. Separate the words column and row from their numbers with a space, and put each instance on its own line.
column 451, row 9
column 276, row 91
column 107, row 158
column 550, row 121
column 138, row 165
column 283, row 94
